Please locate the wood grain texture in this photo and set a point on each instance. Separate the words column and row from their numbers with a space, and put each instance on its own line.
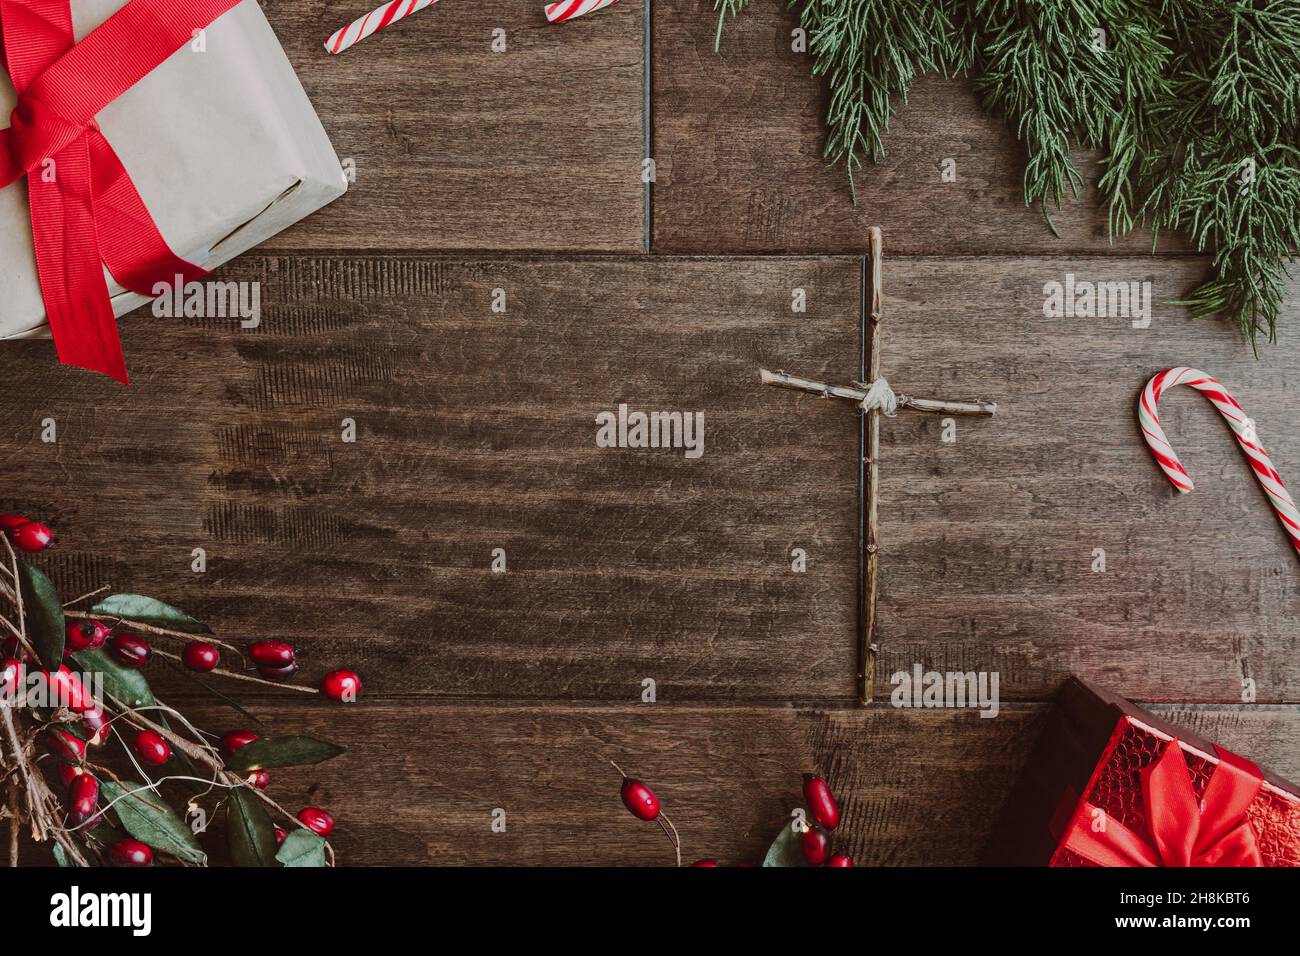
column 988, row 543
column 459, row 147
column 475, row 431
column 915, row 787
column 738, row 139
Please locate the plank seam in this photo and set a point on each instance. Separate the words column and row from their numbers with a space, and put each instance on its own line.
column 647, row 105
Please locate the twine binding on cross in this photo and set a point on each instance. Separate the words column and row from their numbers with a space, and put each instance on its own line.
column 879, row 397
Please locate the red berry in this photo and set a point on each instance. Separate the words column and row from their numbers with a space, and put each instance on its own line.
column 69, row 773
column 83, row 636
column 83, row 795
column 32, row 536
column 151, row 748
column 10, row 522
column 96, row 722
column 820, row 802
column 11, row 679
column 68, row 691
column 840, row 860
column 199, row 656
column 279, row 673
column 85, row 821
column 280, row 834
column 707, row 861
column 128, row 852
column 816, row 845
column 639, row 799
column 67, row 746
column 271, row 653
column 344, row 686
column 234, row 739
column 260, row 779
column 316, row 819
column 131, row 650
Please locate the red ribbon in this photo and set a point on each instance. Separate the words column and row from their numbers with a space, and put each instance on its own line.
column 1211, row 832
column 86, row 212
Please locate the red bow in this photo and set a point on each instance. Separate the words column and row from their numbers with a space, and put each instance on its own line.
column 1213, row 832
column 85, row 210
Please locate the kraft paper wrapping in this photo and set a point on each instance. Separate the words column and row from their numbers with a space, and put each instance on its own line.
column 223, row 146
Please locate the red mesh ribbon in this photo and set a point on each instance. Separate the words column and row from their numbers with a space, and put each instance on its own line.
column 86, row 212
column 1185, row 831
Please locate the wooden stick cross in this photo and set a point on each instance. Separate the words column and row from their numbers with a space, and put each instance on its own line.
column 874, row 396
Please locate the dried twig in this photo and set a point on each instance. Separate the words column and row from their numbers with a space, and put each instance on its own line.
column 858, row 393
column 16, row 595
column 150, row 628
column 234, row 675
column 871, row 482
column 15, row 826
column 88, row 594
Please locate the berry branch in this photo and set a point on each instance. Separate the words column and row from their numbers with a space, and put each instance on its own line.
column 221, row 672
column 146, row 628
column 799, row 843
column 642, row 803
column 61, row 667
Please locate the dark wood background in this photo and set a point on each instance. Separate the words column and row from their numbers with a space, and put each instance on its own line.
column 521, row 171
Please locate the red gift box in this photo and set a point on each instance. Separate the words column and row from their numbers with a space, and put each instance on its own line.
column 1111, row 785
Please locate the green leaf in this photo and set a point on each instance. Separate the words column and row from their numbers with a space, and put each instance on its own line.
column 126, row 684
column 283, row 752
column 786, row 849
column 150, row 820
column 44, row 613
column 249, row 830
column 146, row 610
column 60, row 857
column 302, row 848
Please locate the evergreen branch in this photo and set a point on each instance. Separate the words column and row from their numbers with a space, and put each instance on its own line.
column 871, row 51
column 1194, row 108
column 726, row 8
column 1045, row 67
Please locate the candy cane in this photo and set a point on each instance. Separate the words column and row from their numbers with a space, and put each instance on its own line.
column 375, row 20
column 568, row 9
column 1242, row 427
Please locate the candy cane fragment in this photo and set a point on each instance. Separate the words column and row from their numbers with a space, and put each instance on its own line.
column 374, row 21
column 1242, row 428
column 563, row 10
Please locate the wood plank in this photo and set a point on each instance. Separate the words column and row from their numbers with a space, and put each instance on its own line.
column 915, row 787
column 738, row 145
column 988, row 543
column 459, row 147
column 476, row 431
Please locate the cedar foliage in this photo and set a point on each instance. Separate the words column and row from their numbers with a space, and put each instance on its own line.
column 1193, row 106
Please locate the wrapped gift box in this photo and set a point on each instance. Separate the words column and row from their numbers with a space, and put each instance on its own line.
column 223, row 146
column 1084, row 797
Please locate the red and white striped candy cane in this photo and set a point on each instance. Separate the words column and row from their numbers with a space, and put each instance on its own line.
column 372, row 22
column 1242, row 427
column 568, row 9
